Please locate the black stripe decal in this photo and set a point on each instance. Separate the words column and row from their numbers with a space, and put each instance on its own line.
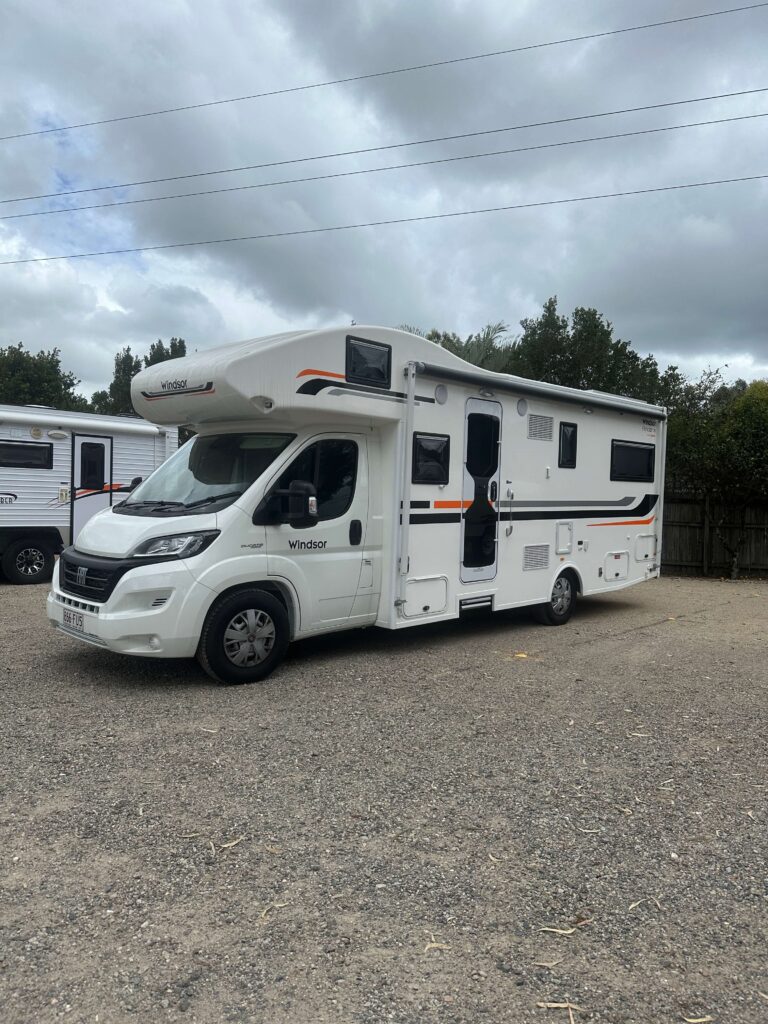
column 318, row 384
column 645, row 506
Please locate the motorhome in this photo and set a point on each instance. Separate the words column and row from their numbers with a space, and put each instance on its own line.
column 57, row 469
column 359, row 477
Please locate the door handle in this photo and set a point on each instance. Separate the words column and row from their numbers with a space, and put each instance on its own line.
column 355, row 532
column 494, row 491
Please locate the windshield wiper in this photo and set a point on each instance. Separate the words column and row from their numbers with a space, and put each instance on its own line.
column 214, row 497
column 154, row 503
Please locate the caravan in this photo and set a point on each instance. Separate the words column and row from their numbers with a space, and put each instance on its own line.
column 57, row 469
column 357, row 477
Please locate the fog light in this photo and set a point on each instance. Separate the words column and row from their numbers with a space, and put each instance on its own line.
column 154, row 643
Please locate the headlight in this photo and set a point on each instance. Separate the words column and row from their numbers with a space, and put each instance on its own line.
column 180, row 545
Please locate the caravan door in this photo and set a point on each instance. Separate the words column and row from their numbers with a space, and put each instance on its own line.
column 325, row 560
column 480, row 498
column 91, row 478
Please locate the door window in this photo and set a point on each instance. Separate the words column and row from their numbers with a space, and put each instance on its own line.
column 91, row 466
column 332, row 467
column 480, row 519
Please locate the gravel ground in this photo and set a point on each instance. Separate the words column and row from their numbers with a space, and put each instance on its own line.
column 449, row 824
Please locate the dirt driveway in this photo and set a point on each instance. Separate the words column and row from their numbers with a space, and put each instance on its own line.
column 456, row 823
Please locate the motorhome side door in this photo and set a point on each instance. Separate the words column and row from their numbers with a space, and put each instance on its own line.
column 480, row 497
column 91, row 489
column 324, row 561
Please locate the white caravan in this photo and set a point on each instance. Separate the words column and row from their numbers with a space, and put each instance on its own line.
column 57, row 469
column 357, row 477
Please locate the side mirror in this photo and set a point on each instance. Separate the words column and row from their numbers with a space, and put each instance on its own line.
column 297, row 505
column 134, row 483
column 302, row 504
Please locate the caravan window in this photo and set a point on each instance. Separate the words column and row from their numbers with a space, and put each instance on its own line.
column 26, row 455
column 92, row 466
column 633, row 461
column 567, row 456
column 368, row 362
column 332, row 467
column 431, row 455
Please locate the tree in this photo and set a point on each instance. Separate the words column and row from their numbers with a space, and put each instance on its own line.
column 158, row 353
column 116, row 400
column 27, row 379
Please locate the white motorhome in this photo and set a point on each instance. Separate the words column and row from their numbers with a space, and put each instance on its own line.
column 57, row 469
column 356, row 477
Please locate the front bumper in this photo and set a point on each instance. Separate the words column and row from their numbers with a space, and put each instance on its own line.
column 154, row 611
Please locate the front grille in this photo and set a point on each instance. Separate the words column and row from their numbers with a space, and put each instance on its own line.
column 91, row 580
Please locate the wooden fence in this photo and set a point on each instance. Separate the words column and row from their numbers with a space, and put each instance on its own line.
column 690, row 543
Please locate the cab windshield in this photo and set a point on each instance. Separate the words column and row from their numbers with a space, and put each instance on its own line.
column 206, row 474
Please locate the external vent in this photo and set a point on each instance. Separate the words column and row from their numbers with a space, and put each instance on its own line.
column 540, row 428
column 159, row 602
column 536, row 556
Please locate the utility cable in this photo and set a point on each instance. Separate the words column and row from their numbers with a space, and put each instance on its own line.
column 382, row 223
column 390, row 72
column 377, row 170
column 390, row 146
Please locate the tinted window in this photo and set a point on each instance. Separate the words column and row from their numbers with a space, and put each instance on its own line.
column 91, row 466
column 631, row 460
column 482, row 445
column 567, row 456
column 26, row 455
column 368, row 362
column 332, row 467
column 431, row 455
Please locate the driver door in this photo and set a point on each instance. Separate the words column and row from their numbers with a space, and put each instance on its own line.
column 324, row 560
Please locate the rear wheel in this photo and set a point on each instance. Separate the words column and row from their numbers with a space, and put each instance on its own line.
column 244, row 638
column 27, row 561
column 559, row 608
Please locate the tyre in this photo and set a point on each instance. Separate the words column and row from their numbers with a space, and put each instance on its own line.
column 27, row 561
column 244, row 638
column 559, row 608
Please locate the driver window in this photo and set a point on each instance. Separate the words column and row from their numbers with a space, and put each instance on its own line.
column 332, row 467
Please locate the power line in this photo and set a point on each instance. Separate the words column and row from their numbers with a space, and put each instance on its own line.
column 390, row 72
column 390, row 146
column 376, row 170
column 382, row 223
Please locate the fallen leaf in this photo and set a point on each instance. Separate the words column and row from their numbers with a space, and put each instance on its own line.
column 231, row 843
column 589, row 831
column 203, row 729
column 763, row 996
column 432, row 944
column 520, row 654
column 558, row 931
column 643, row 734
column 495, row 860
column 190, row 835
column 698, row 1020
column 549, row 964
column 273, row 849
column 272, row 906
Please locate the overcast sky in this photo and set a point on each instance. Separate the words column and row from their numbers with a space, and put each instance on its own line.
column 683, row 275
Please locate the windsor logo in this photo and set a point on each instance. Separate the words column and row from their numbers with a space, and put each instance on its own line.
column 173, row 385
column 6, row 498
column 304, row 545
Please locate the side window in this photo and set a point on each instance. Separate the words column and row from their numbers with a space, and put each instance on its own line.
column 633, row 461
column 91, row 466
column 567, row 455
column 431, row 456
column 26, row 455
column 332, row 467
column 368, row 362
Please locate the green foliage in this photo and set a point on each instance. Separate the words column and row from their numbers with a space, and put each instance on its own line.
column 27, row 379
column 116, row 400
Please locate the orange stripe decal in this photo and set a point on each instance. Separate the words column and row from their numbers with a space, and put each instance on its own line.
column 452, row 504
column 321, row 373
column 627, row 522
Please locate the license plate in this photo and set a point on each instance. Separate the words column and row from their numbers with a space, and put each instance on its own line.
column 73, row 619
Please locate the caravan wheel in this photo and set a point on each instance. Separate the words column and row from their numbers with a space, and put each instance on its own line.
column 27, row 561
column 244, row 638
column 559, row 608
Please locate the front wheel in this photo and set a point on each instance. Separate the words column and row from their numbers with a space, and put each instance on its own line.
column 244, row 638
column 27, row 561
column 559, row 608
